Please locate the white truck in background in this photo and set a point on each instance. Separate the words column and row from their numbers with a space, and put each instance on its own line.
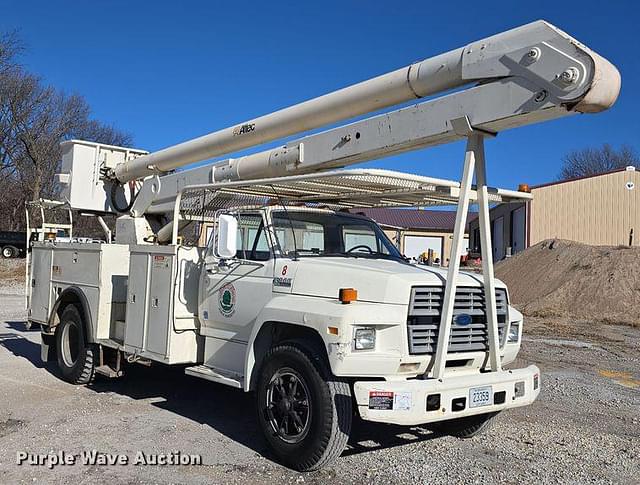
column 307, row 305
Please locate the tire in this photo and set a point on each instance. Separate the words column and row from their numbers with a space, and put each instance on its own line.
column 10, row 252
column 76, row 358
column 466, row 427
column 321, row 402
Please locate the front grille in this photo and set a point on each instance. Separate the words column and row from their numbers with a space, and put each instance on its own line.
column 425, row 309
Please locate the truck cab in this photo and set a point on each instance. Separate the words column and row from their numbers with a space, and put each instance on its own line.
column 332, row 287
column 294, row 265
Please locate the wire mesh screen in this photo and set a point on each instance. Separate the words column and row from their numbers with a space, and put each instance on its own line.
column 337, row 189
column 341, row 189
column 202, row 204
column 198, row 208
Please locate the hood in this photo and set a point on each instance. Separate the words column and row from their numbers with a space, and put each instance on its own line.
column 377, row 280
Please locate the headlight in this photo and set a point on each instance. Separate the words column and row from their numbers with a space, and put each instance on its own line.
column 364, row 338
column 514, row 333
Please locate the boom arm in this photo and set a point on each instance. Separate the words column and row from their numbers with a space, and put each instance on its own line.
column 539, row 56
column 526, row 75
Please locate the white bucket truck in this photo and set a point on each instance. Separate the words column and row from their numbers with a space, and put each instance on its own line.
column 310, row 306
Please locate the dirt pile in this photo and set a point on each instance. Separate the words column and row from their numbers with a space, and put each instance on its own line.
column 567, row 279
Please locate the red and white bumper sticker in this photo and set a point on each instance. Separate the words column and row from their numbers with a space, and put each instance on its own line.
column 390, row 401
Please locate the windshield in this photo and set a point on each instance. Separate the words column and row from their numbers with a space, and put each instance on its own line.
column 330, row 234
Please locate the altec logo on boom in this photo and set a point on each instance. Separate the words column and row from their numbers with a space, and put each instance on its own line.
column 241, row 130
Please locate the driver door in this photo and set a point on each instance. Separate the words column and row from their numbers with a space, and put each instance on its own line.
column 233, row 292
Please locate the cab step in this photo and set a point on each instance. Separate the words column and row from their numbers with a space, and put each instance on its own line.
column 110, row 363
column 216, row 375
column 108, row 371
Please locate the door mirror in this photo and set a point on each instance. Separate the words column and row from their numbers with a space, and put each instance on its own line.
column 227, row 240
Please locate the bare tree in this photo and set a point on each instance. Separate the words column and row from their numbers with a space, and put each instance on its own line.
column 10, row 48
column 593, row 161
column 11, row 205
column 34, row 119
column 40, row 118
column 11, row 216
column 92, row 130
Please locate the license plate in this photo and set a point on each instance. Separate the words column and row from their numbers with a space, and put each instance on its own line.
column 480, row 396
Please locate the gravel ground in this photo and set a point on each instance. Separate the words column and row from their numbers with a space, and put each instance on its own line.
column 585, row 427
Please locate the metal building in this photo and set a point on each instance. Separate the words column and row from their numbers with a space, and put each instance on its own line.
column 602, row 210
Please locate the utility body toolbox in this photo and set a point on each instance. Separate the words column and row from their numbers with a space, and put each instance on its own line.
column 162, row 304
column 99, row 271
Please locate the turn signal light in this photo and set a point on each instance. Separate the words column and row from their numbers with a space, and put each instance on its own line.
column 347, row 295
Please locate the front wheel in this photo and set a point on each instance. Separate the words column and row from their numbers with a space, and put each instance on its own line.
column 76, row 358
column 304, row 411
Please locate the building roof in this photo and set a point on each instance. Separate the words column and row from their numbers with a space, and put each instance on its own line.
column 557, row 182
column 434, row 220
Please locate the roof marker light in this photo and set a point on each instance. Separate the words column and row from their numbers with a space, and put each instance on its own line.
column 347, row 295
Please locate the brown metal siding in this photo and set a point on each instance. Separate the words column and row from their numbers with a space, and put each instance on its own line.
column 598, row 210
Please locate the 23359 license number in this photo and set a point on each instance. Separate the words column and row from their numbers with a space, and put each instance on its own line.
column 480, row 396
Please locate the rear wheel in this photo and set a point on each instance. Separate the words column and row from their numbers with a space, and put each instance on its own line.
column 9, row 252
column 75, row 357
column 466, row 427
column 304, row 411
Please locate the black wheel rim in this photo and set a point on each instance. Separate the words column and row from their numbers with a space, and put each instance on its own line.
column 288, row 405
column 70, row 344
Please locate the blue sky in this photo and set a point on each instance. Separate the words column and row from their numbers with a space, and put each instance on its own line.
column 170, row 71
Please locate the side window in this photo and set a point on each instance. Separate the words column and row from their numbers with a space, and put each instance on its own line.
column 300, row 235
column 252, row 238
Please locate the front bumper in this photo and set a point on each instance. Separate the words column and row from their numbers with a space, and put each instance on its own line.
column 405, row 402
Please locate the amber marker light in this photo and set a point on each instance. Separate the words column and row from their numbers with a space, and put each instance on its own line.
column 347, row 295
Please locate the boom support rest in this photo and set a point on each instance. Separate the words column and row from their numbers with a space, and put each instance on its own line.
column 474, row 163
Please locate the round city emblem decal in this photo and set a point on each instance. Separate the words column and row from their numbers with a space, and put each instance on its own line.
column 227, row 300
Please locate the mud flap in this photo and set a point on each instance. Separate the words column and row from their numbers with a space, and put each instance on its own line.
column 47, row 347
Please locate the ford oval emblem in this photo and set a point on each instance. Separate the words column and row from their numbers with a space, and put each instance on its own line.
column 463, row 319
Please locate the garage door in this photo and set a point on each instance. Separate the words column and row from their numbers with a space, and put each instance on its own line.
column 518, row 229
column 498, row 239
column 414, row 246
